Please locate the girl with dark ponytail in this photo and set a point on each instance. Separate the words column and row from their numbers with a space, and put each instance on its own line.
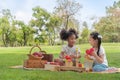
column 99, row 56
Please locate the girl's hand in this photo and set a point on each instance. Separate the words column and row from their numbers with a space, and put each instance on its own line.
column 72, row 56
column 88, row 56
column 99, row 58
column 62, row 55
column 93, row 54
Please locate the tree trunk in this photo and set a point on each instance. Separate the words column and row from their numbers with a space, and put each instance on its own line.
column 6, row 39
column 3, row 39
column 49, row 41
column 66, row 26
column 67, row 19
column 25, row 39
column 54, row 37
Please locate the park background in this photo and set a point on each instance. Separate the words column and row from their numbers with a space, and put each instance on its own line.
column 29, row 22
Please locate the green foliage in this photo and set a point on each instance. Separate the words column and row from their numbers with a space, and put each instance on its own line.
column 26, row 32
column 13, row 32
column 85, row 33
column 46, row 25
column 41, row 16
column 109, row 26
column 52, row 28
column 5, row 26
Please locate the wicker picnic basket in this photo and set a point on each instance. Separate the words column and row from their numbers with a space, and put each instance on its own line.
column 34, row 61
column 32, row 57
column 48, row 57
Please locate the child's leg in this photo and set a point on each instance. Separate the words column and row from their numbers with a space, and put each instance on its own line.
column 99, row 67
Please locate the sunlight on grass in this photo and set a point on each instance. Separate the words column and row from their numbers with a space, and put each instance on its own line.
column 16, row 55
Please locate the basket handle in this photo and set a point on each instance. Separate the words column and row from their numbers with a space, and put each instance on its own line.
column 44, row 52
column 33, row 48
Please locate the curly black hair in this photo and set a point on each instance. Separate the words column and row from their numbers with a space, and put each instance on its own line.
column 64, row 34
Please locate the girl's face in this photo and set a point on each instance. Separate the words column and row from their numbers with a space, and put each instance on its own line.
column 93, row 42
column 71, row 40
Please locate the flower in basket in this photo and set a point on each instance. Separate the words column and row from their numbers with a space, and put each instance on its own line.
column 68, row 58
column 38, row 54
column 68, row 61
column 89, row 51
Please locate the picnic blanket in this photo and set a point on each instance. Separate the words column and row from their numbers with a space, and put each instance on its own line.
column 110, row 70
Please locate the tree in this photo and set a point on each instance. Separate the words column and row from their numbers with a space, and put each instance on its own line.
column 5, row 26
column 40, row 17
column 52, row 26
column 85, row 32
column 26, row 31
column 13, row 36
column 39, row 21
column 67, row 9
column 109, row 26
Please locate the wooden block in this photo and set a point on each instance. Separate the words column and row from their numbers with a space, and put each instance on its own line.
column 68, row 64
column 51, row 67
column 76, row 69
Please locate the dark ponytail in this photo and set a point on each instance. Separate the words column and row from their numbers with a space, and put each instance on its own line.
column 64, row 34
column 97, row 36
column 99, row 44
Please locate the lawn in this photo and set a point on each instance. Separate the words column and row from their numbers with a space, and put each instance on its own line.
column 16, row 55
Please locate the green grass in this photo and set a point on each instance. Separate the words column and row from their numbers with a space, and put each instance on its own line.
column 16, row 55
